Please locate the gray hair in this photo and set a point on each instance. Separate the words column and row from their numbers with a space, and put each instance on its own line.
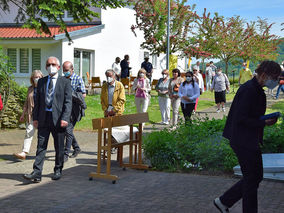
column 110, row 70
column 57, row 60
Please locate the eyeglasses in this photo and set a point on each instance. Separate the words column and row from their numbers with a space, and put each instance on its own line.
column 53, row 64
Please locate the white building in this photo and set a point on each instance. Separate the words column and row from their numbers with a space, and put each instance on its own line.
column 93, row 49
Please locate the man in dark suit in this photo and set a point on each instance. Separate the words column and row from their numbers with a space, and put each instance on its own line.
column 51, row 114
column 244, row 130
column 124, row 64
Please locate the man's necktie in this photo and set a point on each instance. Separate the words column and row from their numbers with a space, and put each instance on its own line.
column 48, row 99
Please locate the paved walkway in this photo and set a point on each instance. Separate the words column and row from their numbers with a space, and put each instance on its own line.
column 135, row 191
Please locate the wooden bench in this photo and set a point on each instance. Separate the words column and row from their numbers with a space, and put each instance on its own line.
column 133, row 143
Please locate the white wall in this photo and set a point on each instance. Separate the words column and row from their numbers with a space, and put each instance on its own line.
column 49, row 48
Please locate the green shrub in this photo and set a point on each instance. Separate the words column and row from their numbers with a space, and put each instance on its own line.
column 200, row 145
column 273, row 140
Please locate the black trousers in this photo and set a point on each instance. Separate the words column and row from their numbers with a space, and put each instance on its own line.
column 70, row 138
column 187, row 110
column 246, row 188
column 58, row 134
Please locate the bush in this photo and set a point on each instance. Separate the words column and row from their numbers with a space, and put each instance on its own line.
column 273, row 140
column 200, row 146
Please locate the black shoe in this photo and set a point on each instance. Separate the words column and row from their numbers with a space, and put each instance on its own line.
column 75, row 153
column 56, row 175
column 36, row 178
column 66, row 158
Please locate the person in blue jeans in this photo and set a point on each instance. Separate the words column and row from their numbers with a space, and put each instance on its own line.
column 281, row 85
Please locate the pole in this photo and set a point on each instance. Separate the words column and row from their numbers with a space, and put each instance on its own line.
column 233, row 81
column 168, row 33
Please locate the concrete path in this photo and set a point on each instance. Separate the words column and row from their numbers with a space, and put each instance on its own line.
column 135, row 191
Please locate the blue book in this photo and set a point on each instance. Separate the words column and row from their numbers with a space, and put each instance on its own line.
column 271, row 115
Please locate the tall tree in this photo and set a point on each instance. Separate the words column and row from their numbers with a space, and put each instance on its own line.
column 31, row 12
column 258, row 43
column 151, row 18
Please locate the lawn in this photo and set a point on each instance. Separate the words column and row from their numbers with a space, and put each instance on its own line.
column 94, row 109
column 206, row 101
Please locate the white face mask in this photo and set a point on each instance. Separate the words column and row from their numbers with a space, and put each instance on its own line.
column 109, row 80
column 219, row 73
column 271, row 84
column 164, row 75
column 52, row 70
column 141, row 75
column 188, row 79
column 36, row 80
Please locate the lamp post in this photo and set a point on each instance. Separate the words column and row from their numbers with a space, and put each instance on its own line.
column 168, row 34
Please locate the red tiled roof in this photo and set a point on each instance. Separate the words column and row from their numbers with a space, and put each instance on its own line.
column 19, row 32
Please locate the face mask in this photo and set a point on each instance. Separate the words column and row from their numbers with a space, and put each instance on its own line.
column 109, row 80
column 67, row 74
column 141, row 75
column 52, row 70
column 271, row 84
column 164, row 75
column 219, row 73
column 188, row 79
column 36, row 80
column 244, row 67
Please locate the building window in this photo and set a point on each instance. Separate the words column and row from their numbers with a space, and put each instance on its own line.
column 82, row 63
column 36, row 62
column 12, row 54
column 24, row 60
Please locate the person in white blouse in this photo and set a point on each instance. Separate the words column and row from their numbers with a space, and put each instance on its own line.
column 142, row 87
column 199, row 79
column 116, row 68
column 188, row 92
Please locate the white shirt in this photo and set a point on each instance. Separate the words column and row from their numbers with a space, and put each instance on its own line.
column 116, row 68
column 188, row 90
column 54, row 80
column 200, row 81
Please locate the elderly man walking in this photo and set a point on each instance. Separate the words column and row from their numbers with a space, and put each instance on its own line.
column 51, row 114
column 78, row 108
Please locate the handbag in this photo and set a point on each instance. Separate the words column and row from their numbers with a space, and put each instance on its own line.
column 176, row 87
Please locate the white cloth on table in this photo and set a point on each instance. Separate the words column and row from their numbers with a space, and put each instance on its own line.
column 122, row 133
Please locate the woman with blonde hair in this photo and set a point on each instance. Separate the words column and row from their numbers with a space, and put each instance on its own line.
column 142, row 87
column 27, row 111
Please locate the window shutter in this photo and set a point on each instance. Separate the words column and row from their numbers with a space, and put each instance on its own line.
column 12, row 54
column 36, row 59
column 24, row 60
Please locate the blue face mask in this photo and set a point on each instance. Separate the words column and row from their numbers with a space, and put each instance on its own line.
column 271, row 84
column 67, row 74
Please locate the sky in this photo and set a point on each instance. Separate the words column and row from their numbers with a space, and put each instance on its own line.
column 272, row 10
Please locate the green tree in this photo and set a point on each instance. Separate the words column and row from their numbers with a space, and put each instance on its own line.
column 31, row 12
column 151, row 18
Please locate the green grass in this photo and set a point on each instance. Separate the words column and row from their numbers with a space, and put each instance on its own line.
column 94, row 109
column 278, row 106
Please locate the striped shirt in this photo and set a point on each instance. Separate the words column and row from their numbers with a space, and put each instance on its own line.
column 77, row 83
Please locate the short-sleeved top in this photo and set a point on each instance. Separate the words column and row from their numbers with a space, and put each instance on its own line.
column 77, row 83
column 220, row 82
column 245, row 75
column 163, row 86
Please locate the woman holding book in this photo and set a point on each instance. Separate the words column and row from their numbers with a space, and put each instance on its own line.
column 244, row 129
